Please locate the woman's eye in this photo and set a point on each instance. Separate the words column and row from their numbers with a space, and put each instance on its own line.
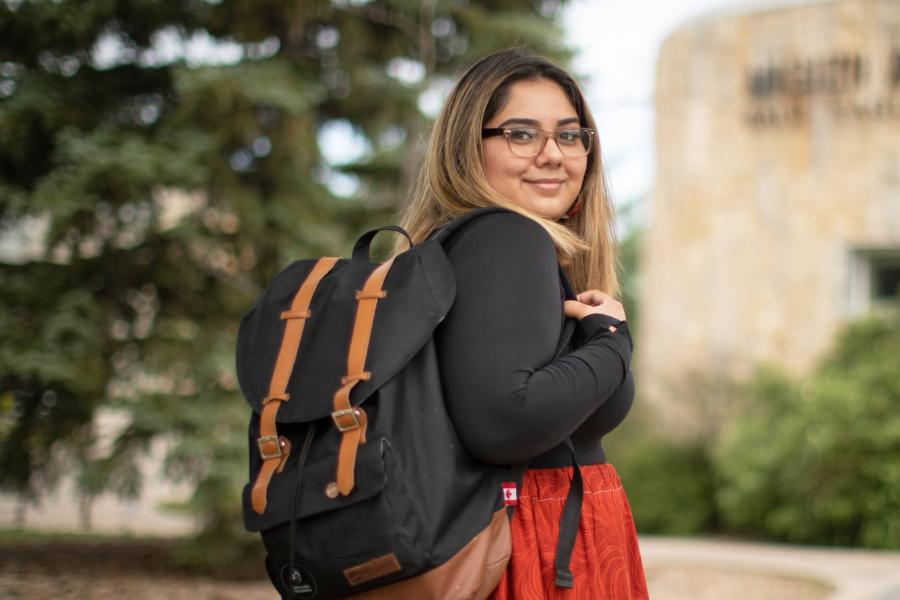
column 521, row 135
column 568, row 136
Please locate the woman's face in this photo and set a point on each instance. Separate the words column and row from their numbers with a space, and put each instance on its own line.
column 548, row 183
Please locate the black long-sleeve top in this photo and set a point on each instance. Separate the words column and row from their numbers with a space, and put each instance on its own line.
column 509, row 400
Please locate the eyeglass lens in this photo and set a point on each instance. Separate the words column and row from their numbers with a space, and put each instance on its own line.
column 527, row 141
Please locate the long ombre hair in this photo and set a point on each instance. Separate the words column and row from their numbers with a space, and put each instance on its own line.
column 451, row 179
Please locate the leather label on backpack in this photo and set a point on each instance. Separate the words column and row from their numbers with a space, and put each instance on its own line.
column 372, row 569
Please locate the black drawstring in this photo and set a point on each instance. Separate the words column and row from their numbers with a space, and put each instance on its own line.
column 298, row 486
column 568, row 524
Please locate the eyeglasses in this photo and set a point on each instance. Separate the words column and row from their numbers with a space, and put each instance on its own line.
column 528, row 142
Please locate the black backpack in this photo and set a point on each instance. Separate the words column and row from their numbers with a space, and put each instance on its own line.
column 358, row 482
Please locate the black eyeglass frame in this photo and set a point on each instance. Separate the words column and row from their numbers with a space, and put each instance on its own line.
column 505, row 132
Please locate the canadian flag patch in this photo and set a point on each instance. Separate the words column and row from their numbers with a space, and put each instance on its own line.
column 510, row 497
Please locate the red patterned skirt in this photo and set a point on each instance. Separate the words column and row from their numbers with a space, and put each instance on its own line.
column 606, row 562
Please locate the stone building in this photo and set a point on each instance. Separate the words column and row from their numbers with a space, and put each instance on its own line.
column 775, row 214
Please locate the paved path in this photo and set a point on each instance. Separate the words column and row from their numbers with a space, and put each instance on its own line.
column 854, row 574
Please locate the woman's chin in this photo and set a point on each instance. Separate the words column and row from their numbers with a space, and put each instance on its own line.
column 549, row 210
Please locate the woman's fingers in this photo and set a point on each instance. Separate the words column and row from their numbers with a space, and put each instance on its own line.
column 575, row 309
column 592, row 297
column 587, row 297
column 594, row 302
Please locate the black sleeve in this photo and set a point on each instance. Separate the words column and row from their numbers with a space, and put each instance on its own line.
column 509, row 400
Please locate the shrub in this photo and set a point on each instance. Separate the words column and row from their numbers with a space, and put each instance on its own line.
column 669, row 486
column 819, row 461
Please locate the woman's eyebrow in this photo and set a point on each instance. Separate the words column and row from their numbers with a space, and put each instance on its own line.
column 534, row 123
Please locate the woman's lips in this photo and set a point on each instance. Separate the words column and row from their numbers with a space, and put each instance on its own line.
column 547, row 185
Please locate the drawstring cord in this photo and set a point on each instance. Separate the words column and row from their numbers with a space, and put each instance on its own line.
column 298, row 486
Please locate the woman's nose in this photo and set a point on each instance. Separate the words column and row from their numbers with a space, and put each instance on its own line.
column 550, row 153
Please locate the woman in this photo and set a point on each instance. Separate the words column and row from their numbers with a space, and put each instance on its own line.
column 516, row 132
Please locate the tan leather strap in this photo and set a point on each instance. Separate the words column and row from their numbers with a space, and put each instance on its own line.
column 274, row 449
column 350, row 421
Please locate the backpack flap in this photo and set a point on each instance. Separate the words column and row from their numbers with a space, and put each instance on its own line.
column 420, row 288
column 371, row 476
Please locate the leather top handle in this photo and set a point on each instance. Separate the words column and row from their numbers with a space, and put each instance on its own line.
column 361, row 248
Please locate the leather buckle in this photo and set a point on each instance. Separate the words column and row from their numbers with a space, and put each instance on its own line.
column 269, row 439
column 338, row 415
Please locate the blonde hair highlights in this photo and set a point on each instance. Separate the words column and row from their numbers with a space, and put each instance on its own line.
column 451, row 179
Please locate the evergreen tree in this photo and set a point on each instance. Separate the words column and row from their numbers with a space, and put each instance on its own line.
column 159, row 162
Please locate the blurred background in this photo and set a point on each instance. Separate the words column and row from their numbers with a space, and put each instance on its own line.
column 160, row 161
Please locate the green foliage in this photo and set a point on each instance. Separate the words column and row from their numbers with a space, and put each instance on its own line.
column 819, row 462
column 46, row 397
column 166, row 190
column 669, row 485
column 815, row 460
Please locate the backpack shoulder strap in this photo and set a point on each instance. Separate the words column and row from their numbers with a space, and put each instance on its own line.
column 443, row 233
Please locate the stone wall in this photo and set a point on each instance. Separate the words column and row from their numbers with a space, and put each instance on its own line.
column 778, row 167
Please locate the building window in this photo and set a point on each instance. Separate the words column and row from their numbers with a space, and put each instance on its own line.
column 875, row 279
column 885, row 279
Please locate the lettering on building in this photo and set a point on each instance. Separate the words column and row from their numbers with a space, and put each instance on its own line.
column 851, row 86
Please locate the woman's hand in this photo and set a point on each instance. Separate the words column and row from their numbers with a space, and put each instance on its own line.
column 594, row 302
